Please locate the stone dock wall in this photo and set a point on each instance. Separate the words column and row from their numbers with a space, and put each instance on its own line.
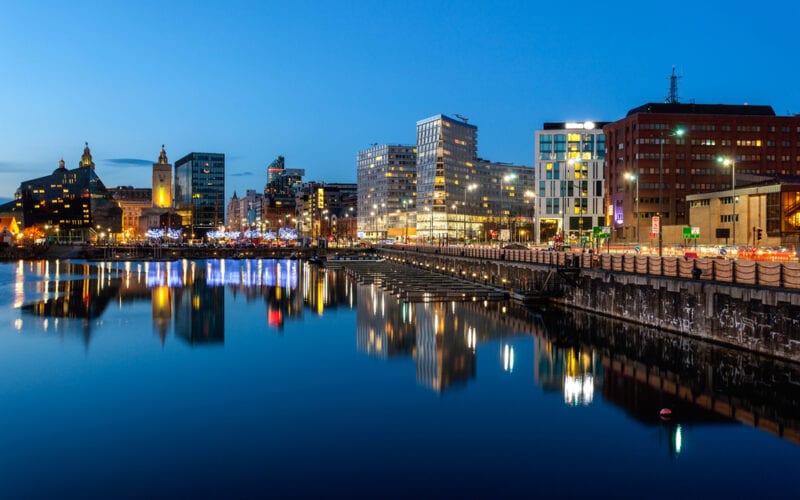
column 749, row 305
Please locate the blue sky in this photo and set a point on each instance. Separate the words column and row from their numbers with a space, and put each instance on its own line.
column 318, row 81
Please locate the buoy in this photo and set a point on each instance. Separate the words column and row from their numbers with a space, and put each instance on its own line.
column 665, row 413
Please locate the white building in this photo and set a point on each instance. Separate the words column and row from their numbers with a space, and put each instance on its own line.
column 570, row 184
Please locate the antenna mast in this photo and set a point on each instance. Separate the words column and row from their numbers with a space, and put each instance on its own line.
column 672, row 98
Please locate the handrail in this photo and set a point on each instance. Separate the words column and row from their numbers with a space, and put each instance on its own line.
column 741, row 272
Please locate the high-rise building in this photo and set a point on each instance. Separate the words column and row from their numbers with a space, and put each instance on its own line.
column 274, row 171
column 667, row 151
column 278, row 203
column 570, row 174
column 200, row 192
column 75, row 203
column 461, row 196
column 387, row 191
column 162, row 181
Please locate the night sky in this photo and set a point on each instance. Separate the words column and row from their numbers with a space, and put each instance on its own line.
column 318, row 81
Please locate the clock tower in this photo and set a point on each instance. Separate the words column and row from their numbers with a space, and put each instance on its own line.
column 162, row 181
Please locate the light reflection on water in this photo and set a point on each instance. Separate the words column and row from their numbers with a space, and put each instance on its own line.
column 293, row 327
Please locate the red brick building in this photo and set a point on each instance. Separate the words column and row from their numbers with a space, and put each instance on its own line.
column 758, row 141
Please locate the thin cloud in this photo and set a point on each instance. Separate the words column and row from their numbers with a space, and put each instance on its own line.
column 10, row 166
column 135, row 162
column 242, row 174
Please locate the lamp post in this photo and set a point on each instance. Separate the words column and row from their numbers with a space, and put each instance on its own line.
column 530, row 194
column 470, row 187
column 676, row 133
column 405, row 215
column 732, row 162
column 633, row 177
column 506, row 178
column 430, row 236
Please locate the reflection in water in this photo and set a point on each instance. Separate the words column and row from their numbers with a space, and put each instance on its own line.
column 575, row 356
column 187, row 297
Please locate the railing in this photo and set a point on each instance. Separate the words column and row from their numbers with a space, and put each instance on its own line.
column 742, row 272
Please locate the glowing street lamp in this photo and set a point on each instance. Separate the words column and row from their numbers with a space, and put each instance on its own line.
column 676, row 133
column 635, row 178
column 470, row 187
column 505, row 178
column 531, row 195
column 732, row 162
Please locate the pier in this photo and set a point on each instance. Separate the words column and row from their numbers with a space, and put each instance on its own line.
column 412, row 284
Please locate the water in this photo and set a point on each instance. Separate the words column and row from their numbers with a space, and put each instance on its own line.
column 271, row 378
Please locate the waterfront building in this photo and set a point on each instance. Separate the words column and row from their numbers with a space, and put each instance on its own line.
column 200, row 192
column 71, row 204
column 461, row 196
column 278, row 203
column 134, row 202
column 245, row 213
column 387, row 179
column 319, row 206
column 160, row 213
column 162, row 182
column 570, row 177
column 767, row 213
column 671, row 150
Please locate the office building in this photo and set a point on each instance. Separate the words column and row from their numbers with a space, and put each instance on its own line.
column 278, row 203
column 570, row 180
column 387, row 191
column 319, row 206
column 667, row 151
column 200, row 192
column 134, row 202
column 461, row 196
column 767, row 213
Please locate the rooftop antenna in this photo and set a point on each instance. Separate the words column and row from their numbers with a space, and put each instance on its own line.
column 462, row 118
column 672, row 98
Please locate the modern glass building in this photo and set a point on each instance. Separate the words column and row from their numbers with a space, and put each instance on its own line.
column 570, row 170
column 461, row 196
column 200, row 192
column 387, row 176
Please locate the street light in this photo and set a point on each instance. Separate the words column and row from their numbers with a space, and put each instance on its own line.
column 429, row 209
column 405, row 211
column 732, row 162
column 530, row 194
column 506, row 178
column 470, row 187
column 633, row 177
column 677, row 133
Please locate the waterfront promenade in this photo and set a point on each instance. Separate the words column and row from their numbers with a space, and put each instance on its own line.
column 746, row 304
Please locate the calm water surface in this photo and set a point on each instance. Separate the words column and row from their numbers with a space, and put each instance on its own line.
column 273, row 378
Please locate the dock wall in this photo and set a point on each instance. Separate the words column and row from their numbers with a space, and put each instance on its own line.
column 755, row 317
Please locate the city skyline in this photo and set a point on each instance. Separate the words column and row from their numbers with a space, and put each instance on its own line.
column 316, row 82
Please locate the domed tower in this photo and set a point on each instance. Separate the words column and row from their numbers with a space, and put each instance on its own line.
column 162, row 181
column 86, row 159
column 62, row 167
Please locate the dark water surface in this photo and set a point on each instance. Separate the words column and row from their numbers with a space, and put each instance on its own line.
column 272, row 378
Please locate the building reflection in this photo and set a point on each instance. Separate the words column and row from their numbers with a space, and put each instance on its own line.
column 571, row 370
column 579, row 356
column 200, row 313
column 186, row 297
column 442, row 337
